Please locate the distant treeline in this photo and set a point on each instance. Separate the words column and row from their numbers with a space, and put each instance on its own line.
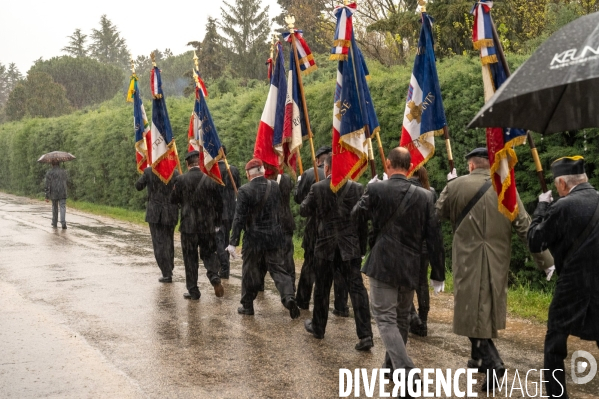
column 102, row 139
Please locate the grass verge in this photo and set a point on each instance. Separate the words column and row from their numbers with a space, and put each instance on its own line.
column 126, row 215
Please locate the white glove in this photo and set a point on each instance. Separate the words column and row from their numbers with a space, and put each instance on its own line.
column 216, row 229
column 299, row 178
column 385, row 177
column 438, row 286
column 452, row 175
column 549, row 272
column 374, row 179
column 546, row 197
column 231, row 250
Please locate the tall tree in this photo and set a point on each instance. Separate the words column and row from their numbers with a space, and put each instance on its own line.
column 107, row 44
column 212, row 57
column 37, row 96
column 3, row 85
column 246, row 27
column 76, row 47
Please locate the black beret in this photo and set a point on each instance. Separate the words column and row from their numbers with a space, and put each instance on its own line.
column 568, row 166
column 325, row 149
column 480, row 152
column 190, row 154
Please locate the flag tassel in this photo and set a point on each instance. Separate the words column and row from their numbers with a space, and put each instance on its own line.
column 306, row 117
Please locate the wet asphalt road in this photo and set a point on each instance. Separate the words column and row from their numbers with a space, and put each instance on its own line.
column 83, row 316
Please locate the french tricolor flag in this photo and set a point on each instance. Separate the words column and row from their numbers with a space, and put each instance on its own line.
column 273, row 117
column 424, row 116
column 162, row 151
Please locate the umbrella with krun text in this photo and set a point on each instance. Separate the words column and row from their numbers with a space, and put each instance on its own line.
column 556, row 89
column 56, row 156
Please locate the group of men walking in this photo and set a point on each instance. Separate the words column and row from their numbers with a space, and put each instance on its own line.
column 405, row 236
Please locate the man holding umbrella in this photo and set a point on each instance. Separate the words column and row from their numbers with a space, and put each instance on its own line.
column 569, row 229
column 56, row 190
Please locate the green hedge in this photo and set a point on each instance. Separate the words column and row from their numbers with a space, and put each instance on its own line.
column 102, row 137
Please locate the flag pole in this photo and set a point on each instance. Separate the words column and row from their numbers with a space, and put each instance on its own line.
column 531, row 142
column 222, row 153
column 290, row 22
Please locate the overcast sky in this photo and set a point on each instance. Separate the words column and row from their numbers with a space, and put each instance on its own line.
column 33, row 29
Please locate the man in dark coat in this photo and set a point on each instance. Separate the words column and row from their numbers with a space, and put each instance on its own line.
column 56, row 190
column 569, row 228
column 340, row 245
column 229, row 198
column 403, row 217
column 307, row 274
column 201, row 210
column 257, row 214
column 162, row 216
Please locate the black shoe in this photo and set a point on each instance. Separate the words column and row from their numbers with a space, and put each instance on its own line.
column 487, row 386
column 165, row 279
column 54, row 225
column 302, row 305
column 219, row 290
column 365, row 344
column 310, row 328
column 64, row 226
column 294, row 311
column 187, row 295
column 246, row 311
column 421, row 329
column 341, row 313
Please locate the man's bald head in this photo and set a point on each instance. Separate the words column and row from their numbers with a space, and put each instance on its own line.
column 400, row 159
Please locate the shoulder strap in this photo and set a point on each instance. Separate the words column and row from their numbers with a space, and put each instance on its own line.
column 399, row 210
column 343, row 193
column 479, row 194
column 584, row 235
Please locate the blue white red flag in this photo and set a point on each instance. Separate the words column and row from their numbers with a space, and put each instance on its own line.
column 270, row 130
column 353, row 110
column 140, row 125
column 424, row 116
column 500, row 141
column 304, row 54
column 163, row 152
column 203, row 136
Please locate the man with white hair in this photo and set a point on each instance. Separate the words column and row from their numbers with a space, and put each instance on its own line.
column 257, row 214
column 569, row 228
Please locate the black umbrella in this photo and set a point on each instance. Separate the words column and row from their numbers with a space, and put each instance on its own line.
column 56, row 156
column 556, row 89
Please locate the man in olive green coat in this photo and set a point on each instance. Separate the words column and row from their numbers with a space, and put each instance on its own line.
column 481, row 258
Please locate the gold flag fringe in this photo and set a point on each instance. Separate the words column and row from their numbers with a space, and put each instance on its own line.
column 483, row 43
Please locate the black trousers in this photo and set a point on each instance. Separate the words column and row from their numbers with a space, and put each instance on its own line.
column 254, row 263
column 422, row 292
column 164, row 247
column 222, row 242
column 556, row 350
column 207, row 246
column 485, row 353
column 287, row 256
column 306, row 282
column 352, row 277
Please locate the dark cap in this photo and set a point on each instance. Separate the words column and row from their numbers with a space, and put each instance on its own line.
column 480, row 152
column 568, row 166
column 325, row 149
column 190, row 154
column 254, row 163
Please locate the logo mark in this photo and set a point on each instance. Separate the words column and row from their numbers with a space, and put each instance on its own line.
column 579, row 367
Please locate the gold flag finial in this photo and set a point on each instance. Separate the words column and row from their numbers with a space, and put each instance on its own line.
column 153, row 57
column 195, row 60
column 422, row 4
column 132, row 66
column 290, row 20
